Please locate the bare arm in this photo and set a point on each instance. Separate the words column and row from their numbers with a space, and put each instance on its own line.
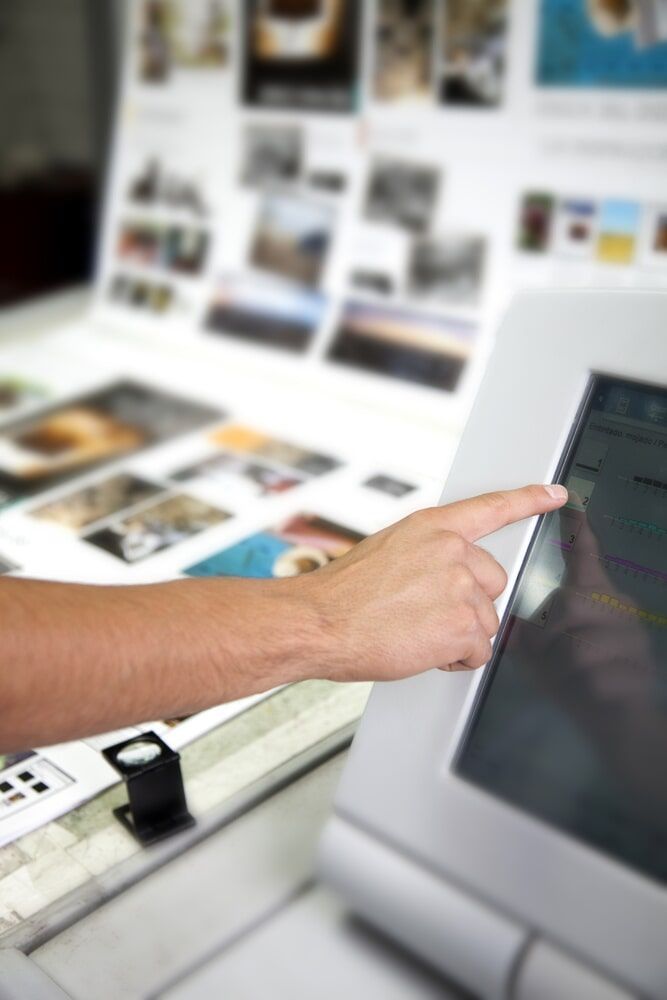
column 75, row 660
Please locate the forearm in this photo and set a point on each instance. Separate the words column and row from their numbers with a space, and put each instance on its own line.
column 76, row 660
column 418, row 595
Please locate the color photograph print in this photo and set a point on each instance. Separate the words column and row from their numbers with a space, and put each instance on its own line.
column 267, row 311
column 303, row 543
column 302, row 56
column 247, row 441
column 292, row 237
column 237, row 478
column 536, row 222
column 655, row 249
column 97, row 501
column 177, row 248
column 157, row 527
column 250, row 442
column 575, row 228
column 253, row 464
column 602, row 44
column 474, row 52
column 154, row 297
column 184, row 35
column 426, row 349
column 81, row 434
column 618, row 231
column 403, row 68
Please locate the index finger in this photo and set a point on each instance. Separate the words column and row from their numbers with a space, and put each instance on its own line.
column 482, row 515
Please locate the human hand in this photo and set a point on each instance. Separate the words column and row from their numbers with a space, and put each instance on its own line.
column 419, row 594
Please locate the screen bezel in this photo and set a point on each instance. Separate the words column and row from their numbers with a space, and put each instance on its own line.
column 483, row 689
column 549, row 347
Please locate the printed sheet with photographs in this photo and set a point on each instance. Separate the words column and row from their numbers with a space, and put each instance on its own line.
column 337, row 196
column 359, row 188
column 130, row 482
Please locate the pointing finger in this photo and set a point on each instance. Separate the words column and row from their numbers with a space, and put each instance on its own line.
column 482, row 515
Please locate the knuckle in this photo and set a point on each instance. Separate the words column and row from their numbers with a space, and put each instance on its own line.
column 456, row 545
column 463, row 580
column 468, row 621
column 499, row 502
column 422, row 519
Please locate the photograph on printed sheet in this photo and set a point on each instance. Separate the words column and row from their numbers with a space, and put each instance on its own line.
column 301, row 544
column 598, row 44
column 249, row 464
column 474, row 42
column 89, row 431
column 302, row 56
column 404, row 33
column 96, row 501
column 402, row 343
column 292, row 237
column 175, row 36
column 154, row 527
column 264, row 310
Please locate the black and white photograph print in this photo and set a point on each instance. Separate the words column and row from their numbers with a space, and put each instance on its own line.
column 447, row 269
column 370, row 279
column 330, row 181
column 402, row 193
column 272, row 154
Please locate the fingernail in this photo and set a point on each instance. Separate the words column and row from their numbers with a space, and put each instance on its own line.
column 556, row 492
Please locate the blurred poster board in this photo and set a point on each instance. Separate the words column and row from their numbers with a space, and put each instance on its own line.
column 325, row 207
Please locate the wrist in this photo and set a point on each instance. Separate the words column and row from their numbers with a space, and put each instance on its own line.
column 265, row 633
column 313, row 642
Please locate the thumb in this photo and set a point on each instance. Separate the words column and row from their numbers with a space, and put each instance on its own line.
column 482, row 515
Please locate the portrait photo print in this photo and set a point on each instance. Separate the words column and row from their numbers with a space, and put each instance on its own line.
column 292, row 237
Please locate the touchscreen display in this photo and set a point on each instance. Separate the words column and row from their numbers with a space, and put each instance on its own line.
column 571, row 720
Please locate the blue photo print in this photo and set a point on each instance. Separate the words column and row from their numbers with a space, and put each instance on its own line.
column 589, row 43
column 302, row 543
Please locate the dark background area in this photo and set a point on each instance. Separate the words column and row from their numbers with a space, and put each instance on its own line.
column 58, row 75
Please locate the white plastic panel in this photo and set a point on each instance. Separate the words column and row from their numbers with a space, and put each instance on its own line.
column 397, row 785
